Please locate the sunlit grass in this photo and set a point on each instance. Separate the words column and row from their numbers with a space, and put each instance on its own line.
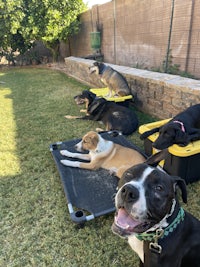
column 9, row 163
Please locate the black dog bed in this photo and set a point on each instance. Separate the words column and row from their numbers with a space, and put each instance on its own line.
column 89, row 193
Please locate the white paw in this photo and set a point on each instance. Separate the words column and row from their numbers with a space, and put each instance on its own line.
column 70, row 163
column 65, row 162
column 66, row 153
column 112, row 171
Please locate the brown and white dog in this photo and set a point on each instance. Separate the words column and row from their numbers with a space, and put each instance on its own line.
column 102, row 154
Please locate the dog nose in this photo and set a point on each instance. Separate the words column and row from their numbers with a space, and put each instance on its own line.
column 129, row 193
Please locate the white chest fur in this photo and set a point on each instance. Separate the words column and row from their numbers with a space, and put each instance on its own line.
column 137, row 246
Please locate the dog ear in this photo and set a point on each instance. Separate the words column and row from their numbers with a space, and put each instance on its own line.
column 156, row 158
column 148, row 133
column 182, row 185
column 90, row 94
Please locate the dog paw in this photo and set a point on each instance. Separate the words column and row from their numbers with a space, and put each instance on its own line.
column 99, row 130
column 70, row 163
column 108, row 96
column 117, row 95
column 112, row 171
column 69, row 117
column 66, row 162
column 83, row 110
column 65, row 153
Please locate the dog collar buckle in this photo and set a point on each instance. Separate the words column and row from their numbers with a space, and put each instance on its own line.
column 182, row 125
column 153, row 246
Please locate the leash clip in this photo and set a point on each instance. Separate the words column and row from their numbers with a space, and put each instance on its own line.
column 153, row 246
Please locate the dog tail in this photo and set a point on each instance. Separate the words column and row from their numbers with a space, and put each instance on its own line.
column 113, row 133
column 156, row 158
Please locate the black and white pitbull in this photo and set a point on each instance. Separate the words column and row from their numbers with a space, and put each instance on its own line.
column 149, row 215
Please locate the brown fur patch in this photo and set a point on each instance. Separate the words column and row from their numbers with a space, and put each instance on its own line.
column 90, row 141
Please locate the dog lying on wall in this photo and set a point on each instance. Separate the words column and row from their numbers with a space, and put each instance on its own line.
column 111, row 78
column 182, row 129
column 148, row 214
column 113, row 116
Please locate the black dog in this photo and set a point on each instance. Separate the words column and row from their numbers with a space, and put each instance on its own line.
column 113, row 116
column 111, row 78
column 182, row 129
column 149, row 215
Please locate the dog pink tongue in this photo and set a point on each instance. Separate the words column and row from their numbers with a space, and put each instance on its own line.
column 124, row 220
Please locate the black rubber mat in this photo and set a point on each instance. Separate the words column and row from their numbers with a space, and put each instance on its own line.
column 89, row 193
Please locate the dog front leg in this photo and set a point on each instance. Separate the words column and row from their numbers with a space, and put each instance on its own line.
column 86, row 117
column 77, row 164
column 194, row 134
column 70, row 117
column 69, row 154
column 110, row 93
column 70, row 163
column 148, row 133
column 83, row 110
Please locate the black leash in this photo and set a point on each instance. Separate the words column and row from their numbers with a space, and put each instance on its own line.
column 152, row 255
column 152, row 250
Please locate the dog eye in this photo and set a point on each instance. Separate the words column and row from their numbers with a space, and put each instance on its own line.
column 159, row 188
column 167, row 134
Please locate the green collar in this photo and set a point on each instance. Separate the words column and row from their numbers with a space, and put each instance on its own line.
column 165, row 232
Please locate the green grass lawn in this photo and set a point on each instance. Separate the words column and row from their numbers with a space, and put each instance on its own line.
column 35, row 226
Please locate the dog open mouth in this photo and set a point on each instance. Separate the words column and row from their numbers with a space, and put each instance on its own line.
column 80, row 101
column 125, row 225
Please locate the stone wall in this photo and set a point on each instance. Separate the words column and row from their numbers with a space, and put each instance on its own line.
column 158, row 94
